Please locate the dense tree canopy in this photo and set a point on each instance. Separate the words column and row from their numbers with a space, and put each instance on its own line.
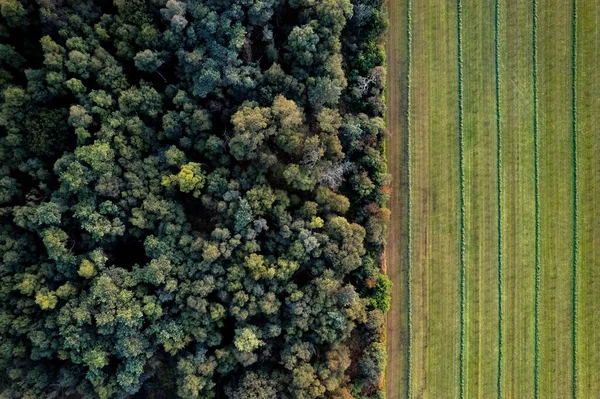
column 192, row 199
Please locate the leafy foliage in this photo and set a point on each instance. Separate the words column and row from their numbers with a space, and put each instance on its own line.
column 191, row 198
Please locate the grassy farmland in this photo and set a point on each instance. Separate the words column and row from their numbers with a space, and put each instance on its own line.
column 503, row 293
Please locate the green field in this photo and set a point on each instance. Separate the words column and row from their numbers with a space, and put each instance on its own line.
column 504, row 291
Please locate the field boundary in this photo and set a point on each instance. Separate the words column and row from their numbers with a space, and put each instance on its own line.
column 575, row 193
column 409, row 192
column 462, row 203
column 536, row 361
column 499, row 190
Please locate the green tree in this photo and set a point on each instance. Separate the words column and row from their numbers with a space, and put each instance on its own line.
column 383, row 291
column 372, row 362
column 246, row 340
column 332, row 202
column 300, row 177
column 255, row 385
column 190, row 179
column 14, row 12
column 86, row 269
column 147, row 61
column 302, row 44
column 324, row 91
column 305, row 383
column 261, row 199
column 289, row 135
column 250, row 126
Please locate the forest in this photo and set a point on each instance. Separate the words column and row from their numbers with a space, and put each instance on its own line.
column 192, row 199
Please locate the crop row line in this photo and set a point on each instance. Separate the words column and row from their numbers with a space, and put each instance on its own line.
column 575, row 194
column 462, row 202
column 499, row 190
column 537, row 210
column 409, row 190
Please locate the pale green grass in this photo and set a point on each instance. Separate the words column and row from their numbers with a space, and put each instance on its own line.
column 443, row 283
column 435, row 205
column 480, row 155
column 556, row 198
column 518, row 198
column 588, row 89
column 420, row 202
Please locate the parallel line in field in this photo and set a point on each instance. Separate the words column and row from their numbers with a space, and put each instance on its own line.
column 409, row 189
column 462, row 202
column 537, row 209
column 499, row 192
column 575, row 213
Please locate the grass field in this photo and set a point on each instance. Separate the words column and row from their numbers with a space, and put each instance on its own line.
column 527, row 285
column 396, row 253
column 588, row 87
column 518, row 202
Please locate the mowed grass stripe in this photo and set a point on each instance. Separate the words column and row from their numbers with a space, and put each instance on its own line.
column 435, row 188
column 518, row 202
column 396, row 257
column 536, row 365
column 556, row 198
column 480, row 200
column 444, row 276
column 461, row 175
column 421, row 187
column 588, row 120
column 575, row 193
